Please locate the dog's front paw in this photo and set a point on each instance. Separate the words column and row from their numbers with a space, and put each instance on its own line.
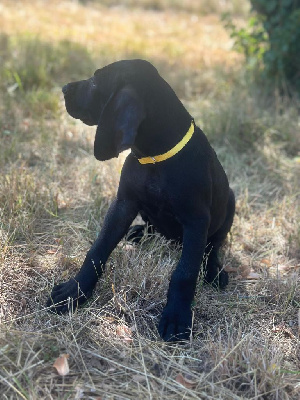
column 68, row 296
column 176, row 323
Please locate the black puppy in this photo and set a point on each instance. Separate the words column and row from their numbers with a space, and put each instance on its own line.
column 172, row 177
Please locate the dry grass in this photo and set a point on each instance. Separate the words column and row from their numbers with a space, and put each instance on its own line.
column 53, row 195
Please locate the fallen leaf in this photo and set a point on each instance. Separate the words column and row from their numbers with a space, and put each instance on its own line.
column 61, row 364
column 139, row 378
column 253, row 275
column 124, row 333
column 244, row 270
column 51, row 251
column 266, row 261
column 123, row 330
column 230, row 269
column 248, row 246
column 186, row 381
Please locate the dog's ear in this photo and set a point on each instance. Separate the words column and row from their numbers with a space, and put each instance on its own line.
column 118, row 124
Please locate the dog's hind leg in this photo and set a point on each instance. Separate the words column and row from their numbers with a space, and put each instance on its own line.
column 137, row 232
column 214, row 272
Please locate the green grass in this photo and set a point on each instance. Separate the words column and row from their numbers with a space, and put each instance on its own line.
column 54, row 195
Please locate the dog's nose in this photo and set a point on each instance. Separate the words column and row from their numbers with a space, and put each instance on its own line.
column 65, row 89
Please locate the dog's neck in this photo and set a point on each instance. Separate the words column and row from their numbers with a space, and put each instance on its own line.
column 172, row 152
column 160, row 136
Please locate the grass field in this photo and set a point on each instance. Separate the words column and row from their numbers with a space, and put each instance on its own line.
column 54, row 195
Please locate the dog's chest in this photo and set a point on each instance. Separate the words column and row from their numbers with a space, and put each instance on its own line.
column 157, row 204
column 152, row 191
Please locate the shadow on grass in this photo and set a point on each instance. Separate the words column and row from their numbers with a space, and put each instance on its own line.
column 29, row 63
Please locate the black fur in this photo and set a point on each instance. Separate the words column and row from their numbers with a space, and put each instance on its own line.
column 186, row 198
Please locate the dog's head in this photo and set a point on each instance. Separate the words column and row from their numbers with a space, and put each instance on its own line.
column 113, row 99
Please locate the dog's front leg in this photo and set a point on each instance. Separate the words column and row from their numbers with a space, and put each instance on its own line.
column 78, row 289
column 176, row 319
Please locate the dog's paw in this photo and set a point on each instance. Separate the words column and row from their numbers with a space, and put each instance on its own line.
column 223, row 279
column 136, row 233
column 67, row 296
column 217, row 277
column 176, row 323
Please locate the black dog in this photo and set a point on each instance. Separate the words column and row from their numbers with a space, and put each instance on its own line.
column 172, row 177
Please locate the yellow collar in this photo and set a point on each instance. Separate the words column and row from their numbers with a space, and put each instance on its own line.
column 179, row 146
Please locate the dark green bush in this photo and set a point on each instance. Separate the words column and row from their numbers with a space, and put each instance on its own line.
column 271, row 42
